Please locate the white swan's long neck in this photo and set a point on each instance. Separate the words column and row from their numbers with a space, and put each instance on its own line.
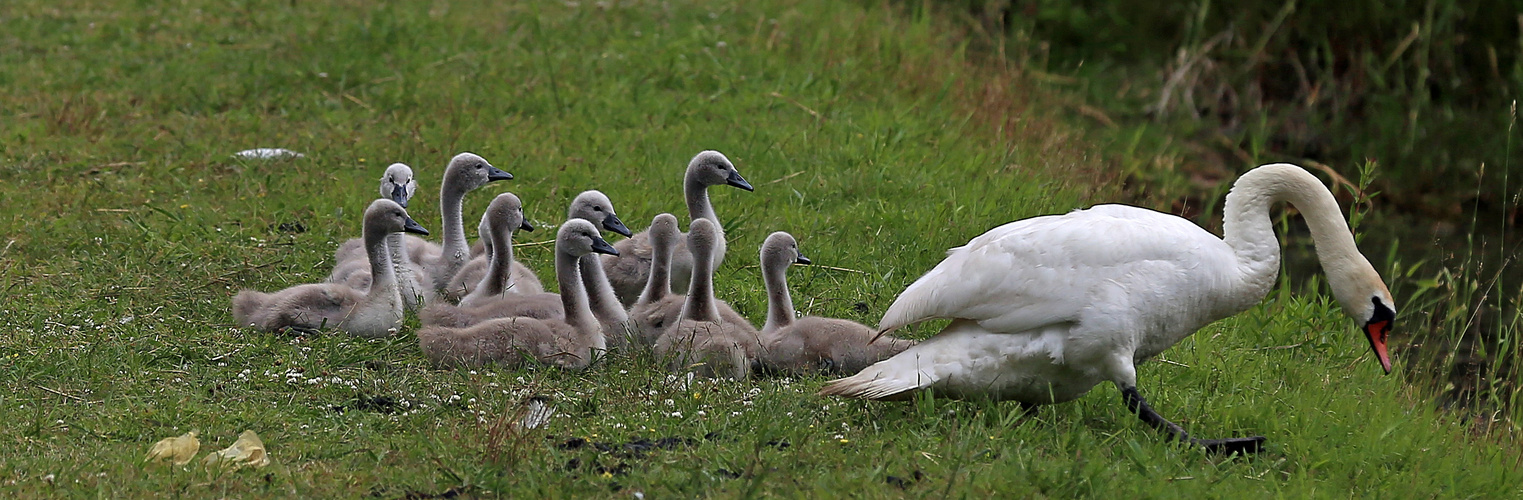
column 574, row 298
column 700, row 293
column 456, row 250
column 779, row 302
column 1250, row 233
column 600, row 297
column 499, row 276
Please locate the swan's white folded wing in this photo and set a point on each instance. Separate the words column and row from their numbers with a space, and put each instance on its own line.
column 1040, row 271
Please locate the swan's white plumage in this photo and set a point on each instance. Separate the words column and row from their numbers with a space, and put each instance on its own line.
column 1047, row 307
column 1052, row 266
column 1066, row 284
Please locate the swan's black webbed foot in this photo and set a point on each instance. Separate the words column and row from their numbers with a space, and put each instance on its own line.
column 1136, row 404
column 1232, row 445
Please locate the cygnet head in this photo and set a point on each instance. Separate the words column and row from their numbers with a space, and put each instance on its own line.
column 470, row 172
column 595, row 207
column 663, row 231
column 781, row 250
column 389, row 217
column 578, row 237
column 398, row 184
column 506, row 211
column 711, row 168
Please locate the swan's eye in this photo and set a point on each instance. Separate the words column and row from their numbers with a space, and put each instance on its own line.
column 597, row 209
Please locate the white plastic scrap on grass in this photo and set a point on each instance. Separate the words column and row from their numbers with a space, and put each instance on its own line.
column 267, row 154
column 248, row 450
column 178, row 450
column 536, row 413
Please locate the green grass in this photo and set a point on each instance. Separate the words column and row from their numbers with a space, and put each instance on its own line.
column 868, row 134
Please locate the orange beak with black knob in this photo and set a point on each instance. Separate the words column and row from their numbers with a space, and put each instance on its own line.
column 1377, row 328
column 1377, row 332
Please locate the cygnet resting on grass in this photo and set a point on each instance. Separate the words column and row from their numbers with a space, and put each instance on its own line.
column 628, row 272
column 811, row 343
column 570, row 343
column 465, row 173
column 504, row 216
column 704, row 341
column 373, row 313
column 352, row 268
column 658, row 308
column 591, row 206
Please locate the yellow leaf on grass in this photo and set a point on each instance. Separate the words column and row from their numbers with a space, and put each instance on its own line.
column 177, row 449
column 247, row 450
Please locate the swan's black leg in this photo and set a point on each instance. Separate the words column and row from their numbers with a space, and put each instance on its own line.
column 1136, row 404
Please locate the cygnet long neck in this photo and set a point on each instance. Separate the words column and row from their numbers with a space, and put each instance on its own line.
column 456, row 250
column 697, row 194
column 700, row 293
column 600, row 297
column 499, row 276
column 779, row 302
column 383, row 278
column 397, row 249
column 658, row 284
column 573, row 294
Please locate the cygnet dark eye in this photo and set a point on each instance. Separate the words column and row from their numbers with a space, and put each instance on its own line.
column 596, row 208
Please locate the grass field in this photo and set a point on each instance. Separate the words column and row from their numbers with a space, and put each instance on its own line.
column 869, row 135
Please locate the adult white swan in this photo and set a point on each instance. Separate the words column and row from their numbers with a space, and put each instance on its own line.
column 1045, row 308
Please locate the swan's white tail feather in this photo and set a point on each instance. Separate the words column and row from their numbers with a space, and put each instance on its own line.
column 874, row 382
